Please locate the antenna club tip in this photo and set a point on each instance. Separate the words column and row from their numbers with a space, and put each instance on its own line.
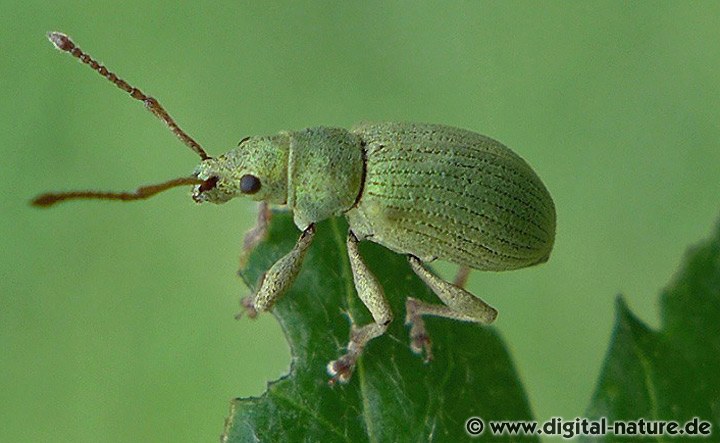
column 44, row 201
column 61, row 41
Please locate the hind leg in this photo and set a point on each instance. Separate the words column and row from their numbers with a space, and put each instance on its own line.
column 461, row 277
column 458, row 304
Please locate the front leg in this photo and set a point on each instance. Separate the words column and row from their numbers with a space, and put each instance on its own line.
column 257, row 234
column 373, row 297
column 278, row 279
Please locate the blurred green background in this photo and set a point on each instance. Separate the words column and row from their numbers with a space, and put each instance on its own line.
column 116, row 320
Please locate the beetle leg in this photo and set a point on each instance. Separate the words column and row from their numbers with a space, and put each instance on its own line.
column 257, row 233
column 461, row 277
column 276, row 281
column 373, row 297
column 459, row 304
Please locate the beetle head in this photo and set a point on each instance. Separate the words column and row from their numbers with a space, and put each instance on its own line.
column 256, row 168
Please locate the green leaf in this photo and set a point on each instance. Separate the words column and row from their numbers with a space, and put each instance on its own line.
column 673, row 373
column 393, row 395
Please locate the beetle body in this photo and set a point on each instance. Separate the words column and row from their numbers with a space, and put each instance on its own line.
column 428, row 190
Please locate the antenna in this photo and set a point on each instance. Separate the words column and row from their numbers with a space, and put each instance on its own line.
column 63, row 43
column 143, row 192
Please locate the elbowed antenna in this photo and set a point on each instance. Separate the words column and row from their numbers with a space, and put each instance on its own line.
column 47, row 200
column 63, row 43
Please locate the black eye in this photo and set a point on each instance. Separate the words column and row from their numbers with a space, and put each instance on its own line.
column 208, row 184
column 249, row 184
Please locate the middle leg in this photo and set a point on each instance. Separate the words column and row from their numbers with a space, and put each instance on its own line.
column 373, row 297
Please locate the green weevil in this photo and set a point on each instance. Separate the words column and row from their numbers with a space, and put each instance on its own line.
column 423, row 190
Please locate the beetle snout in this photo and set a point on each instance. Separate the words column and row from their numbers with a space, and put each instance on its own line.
column 216, row 186
column 207, row 185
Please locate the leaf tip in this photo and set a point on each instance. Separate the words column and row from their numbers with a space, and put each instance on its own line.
column 625, row 319
column 622, row 311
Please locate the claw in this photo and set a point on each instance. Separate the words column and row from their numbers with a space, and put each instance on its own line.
column 248, row 308
column 420, row 342
column 341, row 370
column 419, row 339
